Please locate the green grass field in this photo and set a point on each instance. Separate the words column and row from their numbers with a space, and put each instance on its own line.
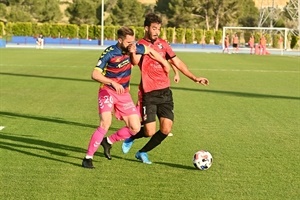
column 248, row 118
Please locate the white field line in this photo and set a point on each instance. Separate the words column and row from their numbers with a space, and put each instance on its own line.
column 244, row 70
column 58, row 65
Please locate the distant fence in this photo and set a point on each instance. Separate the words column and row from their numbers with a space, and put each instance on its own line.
column 23, row 40
column 2, row 43
column 57, row 41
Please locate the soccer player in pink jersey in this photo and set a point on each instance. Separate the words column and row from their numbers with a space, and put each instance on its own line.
column 156, row 96
column 113, row 71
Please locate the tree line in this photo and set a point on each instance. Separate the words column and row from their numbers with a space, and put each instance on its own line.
column 204, row 14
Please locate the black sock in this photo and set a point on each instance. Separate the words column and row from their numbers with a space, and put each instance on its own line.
column 155, row 140
column 140, row 134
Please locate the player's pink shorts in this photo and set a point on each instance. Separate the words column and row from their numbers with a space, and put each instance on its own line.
column 120, row 104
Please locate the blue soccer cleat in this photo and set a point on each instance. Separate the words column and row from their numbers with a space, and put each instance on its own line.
column 143, row 156
column 127, row 144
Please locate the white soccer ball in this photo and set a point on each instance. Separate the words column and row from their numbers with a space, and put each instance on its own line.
column 202, row 160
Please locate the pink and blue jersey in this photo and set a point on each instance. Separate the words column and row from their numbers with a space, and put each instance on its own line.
column 115, row 64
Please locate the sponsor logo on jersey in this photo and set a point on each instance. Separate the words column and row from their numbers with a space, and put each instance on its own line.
column 99, row 63
column 122, row 64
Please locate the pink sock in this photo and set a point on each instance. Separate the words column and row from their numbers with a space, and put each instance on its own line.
column 121, row 134
column 95, row 141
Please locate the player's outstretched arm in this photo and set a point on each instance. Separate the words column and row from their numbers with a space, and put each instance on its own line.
column 181, row 66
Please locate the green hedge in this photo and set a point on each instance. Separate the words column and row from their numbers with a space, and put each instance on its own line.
column 21, row 28
column 1, row 29
column 177, row 35
column 218, row 37
column 198, row 34
column 84, row 31
column 208, row 36
column 170, row 32
column 139, row 32
column 189, row 36
column 294, row 41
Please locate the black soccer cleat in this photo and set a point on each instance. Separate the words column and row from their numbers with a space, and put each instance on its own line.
column 87, row 163
column 106, row 148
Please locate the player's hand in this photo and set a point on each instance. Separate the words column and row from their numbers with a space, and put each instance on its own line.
column 203, row 81
column 132, row 48
column 118, row 87
column 176, row 78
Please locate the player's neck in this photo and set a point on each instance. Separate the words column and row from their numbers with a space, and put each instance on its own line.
column 149, row 40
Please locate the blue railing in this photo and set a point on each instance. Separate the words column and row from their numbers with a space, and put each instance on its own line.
column 23, row 40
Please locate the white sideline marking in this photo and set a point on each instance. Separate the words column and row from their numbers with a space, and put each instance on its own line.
column 2, row 127
column 244, row 70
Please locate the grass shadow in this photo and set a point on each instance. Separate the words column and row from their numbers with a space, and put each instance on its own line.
column 33, row 147
column 176, row 165
column 47, row 119
column 173, row 165
column 231, row 93
column 54, row 120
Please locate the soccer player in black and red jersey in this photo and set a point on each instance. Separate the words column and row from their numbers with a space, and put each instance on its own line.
column 113, row 71
column 155, row 89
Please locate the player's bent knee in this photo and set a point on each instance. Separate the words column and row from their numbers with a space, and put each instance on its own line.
column 105, row 125
column 166, row 131
column 135, row 130
column 149, row 133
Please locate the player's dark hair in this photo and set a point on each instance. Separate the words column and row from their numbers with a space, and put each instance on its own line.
column 152, row 18
column 123, row 31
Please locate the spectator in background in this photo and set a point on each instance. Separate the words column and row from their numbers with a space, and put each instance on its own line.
column 40, row 42
column 263, row 44
column 251, row 44
column 280, row 42
column 226, row 43
column 235, row 43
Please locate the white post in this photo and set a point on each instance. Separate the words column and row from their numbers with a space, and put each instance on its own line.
column 102, row 23
column 223, row 37
column 298, row 18
column 285, row 38
column 87, row 31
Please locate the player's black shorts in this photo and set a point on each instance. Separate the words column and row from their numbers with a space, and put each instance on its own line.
column 234, row 45
column 157, row 103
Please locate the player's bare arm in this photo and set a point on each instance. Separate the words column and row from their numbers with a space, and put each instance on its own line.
column 98, row 76
column 176, row 73
column 134, row 58
column 181, row 66
column 156, row 56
